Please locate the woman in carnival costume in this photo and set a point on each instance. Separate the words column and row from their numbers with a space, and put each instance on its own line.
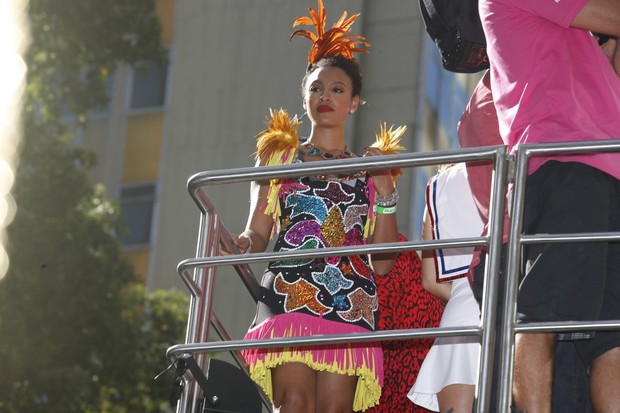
column 333, row 295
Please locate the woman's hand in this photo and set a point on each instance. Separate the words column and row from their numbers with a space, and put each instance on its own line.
column 381, row 178
column 243, row 242
column 386, row 227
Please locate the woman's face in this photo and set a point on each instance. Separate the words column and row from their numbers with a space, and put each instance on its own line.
column 328, row 96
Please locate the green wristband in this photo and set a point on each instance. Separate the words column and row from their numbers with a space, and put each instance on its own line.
column 385, row 210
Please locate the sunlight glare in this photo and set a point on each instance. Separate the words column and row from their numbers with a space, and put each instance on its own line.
column 13, row 42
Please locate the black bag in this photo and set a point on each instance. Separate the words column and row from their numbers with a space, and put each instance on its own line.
column 227, row 389
column 454, row 26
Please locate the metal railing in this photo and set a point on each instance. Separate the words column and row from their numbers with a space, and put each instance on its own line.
column 516, row 240
column 199, row 273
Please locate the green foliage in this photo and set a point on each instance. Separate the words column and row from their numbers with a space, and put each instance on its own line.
column 76, row 45
column 78, row 331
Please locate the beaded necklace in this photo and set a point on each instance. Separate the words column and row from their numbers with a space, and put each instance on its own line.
column 310, row 149
column 313, row 150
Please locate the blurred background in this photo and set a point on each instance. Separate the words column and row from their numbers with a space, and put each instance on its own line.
column 107, row 109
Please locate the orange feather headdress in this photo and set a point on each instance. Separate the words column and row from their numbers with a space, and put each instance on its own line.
column 337, row 41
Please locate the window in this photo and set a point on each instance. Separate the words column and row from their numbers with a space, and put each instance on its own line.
column 149, row 87
column 137, row 204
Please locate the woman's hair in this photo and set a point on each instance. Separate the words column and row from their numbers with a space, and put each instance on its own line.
column 444, row 167
column 350, row 66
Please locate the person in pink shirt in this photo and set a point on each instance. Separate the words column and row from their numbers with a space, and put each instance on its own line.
column 552, row 82
column 478, row 126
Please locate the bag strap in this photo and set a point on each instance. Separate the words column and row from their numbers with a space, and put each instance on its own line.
column 430, row 13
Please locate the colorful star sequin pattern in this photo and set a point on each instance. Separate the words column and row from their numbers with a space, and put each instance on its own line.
column 341, row 288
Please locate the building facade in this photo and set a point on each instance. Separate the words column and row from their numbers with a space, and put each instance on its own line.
column 229, row 62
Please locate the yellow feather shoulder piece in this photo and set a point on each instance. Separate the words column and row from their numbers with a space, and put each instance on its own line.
column 388, row 141
column 277, row 145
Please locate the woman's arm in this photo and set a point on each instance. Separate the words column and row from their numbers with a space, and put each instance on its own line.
column 429, row 270
column 255, row 237
column 386, row 225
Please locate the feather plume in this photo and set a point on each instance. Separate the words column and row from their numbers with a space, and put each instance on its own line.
column 336, row 41
column 388, row 141
column 277, row 145
column 279, row 138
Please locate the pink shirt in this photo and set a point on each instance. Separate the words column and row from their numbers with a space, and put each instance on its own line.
column 477, row 127
column 551, row 83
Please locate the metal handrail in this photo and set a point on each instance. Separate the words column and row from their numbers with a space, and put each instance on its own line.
column 211, row 229
column 197, row 182
column 323, row 339
column 517, row 239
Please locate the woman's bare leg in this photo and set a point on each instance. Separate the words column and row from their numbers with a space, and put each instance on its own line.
column 456, row 398
column 294, row 388
column 335, row 392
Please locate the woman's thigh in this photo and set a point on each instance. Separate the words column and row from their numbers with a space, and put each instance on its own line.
column 294, row 388
column 335, row 392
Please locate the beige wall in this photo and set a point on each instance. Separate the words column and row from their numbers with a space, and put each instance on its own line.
column 232, row 61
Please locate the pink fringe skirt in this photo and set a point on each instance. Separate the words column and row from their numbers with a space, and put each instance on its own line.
column 364, row 360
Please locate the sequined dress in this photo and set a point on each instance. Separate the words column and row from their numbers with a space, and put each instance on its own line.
column 332, row 295
column 318, row 214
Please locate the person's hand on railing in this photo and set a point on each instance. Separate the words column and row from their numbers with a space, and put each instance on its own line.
column 243, row 243
column 382, row 178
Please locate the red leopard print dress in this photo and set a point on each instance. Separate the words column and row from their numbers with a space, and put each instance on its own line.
column 404, row 304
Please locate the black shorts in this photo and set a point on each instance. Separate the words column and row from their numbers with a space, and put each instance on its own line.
column 570, row 392
column 572, row 281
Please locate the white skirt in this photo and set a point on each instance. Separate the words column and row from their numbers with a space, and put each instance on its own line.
column 451, row 360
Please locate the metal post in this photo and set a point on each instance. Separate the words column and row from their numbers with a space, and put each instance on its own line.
column 491, row 276
column 200, row 308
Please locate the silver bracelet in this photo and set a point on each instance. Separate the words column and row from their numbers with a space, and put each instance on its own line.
column 249, row 248
column 388, row 200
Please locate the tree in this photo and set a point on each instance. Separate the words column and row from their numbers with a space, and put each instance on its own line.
column 79, row 333
column 76, row 45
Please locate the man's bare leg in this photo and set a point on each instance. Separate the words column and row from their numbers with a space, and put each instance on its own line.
column 605, row 382
column 533, row 372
